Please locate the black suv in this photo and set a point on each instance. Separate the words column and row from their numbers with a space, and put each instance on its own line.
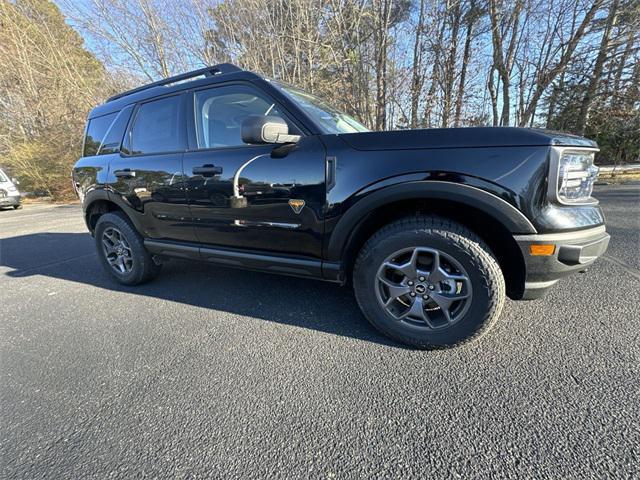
column 432, row 227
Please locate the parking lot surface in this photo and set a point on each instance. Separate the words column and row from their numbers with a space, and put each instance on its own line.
column 211, row 372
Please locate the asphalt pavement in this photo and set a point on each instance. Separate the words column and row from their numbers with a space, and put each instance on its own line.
column 209, row 372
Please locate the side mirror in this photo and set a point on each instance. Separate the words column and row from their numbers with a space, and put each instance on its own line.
column 261, row 129
column 15, row 181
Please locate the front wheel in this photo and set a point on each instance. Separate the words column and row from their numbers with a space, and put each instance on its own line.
column 121, row 250
column 428, row 282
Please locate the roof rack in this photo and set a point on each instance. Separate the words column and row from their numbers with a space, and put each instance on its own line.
column 219, row 69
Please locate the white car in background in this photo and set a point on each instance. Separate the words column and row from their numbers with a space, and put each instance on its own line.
column 9, row 194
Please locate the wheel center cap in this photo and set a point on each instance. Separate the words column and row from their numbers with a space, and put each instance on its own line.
column 420, row 289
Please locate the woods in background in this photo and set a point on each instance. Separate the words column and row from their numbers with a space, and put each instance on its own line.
column 571, row 65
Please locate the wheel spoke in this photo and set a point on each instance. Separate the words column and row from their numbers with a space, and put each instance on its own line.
column 395, row 290
column 408, row 269
column 109, row 234
column 436, row 274
column 108, row 248
column 120, row 264
column 445, row 300
column 416, row 310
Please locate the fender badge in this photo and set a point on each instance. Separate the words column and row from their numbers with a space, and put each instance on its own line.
column 296, row 205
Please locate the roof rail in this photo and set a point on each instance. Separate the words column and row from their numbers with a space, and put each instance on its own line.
column 219, row 69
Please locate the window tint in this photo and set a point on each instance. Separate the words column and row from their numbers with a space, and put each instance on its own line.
column 220, row 111
column 113, row 138
column 96, row 130
column 155, row 127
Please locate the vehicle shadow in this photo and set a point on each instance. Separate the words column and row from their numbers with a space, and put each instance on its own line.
column 293, row 301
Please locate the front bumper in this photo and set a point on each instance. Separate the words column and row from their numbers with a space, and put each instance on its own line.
column 573, row 252
column 10, row 201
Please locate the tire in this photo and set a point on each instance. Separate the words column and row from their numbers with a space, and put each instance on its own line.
column 469, row 273
column 17, row 207
column 139, row 266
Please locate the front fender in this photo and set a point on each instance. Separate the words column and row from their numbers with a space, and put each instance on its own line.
column 505, row 213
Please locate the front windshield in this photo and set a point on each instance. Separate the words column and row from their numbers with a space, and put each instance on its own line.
column 3, row 177
column 330, row 119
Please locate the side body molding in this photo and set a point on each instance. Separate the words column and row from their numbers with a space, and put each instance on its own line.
column 504, row 212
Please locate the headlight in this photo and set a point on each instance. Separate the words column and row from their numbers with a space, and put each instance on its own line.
column 12, row 188
column 576, row 175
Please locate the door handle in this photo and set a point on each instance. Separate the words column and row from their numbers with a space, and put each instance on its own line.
column 331, row 172
column 207, row 170
column 126, row 173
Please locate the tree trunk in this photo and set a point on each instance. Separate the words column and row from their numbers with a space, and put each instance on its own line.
column 435, row 75
column 592, row 88
column 466, row 56
column 504, row 63
column 622, row 63
column 450, row 65
column 382, row 44
column 416, row 74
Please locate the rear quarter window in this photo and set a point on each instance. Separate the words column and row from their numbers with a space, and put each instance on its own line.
column 96, row 130
column 113, row 138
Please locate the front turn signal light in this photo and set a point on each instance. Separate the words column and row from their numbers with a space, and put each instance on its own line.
column 542, row 250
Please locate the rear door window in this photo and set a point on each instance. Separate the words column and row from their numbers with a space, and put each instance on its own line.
column 156, row 127
column 96, row 130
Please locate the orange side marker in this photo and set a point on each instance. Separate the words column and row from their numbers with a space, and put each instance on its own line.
column 542, row 250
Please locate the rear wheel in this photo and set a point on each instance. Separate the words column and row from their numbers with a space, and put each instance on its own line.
column 428, row 282
column 122, row 252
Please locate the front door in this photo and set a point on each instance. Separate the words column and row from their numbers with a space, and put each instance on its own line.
column 148, row 177
column 241, row 196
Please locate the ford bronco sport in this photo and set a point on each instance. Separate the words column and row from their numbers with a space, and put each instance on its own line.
column 433, row 228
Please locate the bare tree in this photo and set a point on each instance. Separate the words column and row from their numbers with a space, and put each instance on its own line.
column 138, row 34
column 551, row 70
column 505, row 27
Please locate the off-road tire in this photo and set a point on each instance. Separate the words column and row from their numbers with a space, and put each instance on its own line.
column 144, row 268
column 451, row 238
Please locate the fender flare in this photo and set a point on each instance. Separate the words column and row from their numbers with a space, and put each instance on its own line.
column 502, row 211
column 100, row 194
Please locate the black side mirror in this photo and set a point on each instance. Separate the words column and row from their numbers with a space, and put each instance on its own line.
column 261, row 129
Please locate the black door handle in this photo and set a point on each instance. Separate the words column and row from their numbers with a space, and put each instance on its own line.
column 126, row 173
column 207, row 170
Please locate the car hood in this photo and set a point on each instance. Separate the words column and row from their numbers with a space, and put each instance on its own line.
column 462, row 138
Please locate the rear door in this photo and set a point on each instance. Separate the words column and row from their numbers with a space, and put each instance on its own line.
column 278, row 204
column 147, row 175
